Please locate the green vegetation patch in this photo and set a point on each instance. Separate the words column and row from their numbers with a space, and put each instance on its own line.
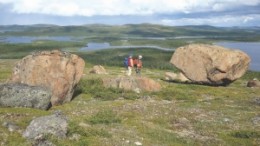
column 249, row 75
column 94, row 87
column 152, row 58
column 18, row 51
column 100, row 115
column 164, row 137
column 105, row 117
column 74, row 128
column 246, row 134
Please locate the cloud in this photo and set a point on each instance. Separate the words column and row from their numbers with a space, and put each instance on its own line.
column 122, row 7
column 168, row 12
column 226, row 20
column 247, row 19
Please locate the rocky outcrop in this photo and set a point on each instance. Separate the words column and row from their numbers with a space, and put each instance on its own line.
column 178, row 77
column 136, row 84
column 253, row 83
column 209, row 64
column 21, row 95
column 98, row 69
column 55, row 125
column 59, row 71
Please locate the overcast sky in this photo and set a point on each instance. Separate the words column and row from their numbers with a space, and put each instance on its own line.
column 166, row 12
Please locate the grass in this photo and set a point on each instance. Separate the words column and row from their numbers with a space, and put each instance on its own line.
column 212, row 115
column 153, row 121
column 5, row 68
column 104, row 117
column 246, row 134
column 180, row 114
column 96, row 90
column 158, row 120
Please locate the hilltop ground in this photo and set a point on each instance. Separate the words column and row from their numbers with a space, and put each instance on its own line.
column 180, row 114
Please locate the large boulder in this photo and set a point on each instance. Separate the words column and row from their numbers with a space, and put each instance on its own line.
column 209, row 64
column 21, row 95
column 59, row 71
column 136, row 84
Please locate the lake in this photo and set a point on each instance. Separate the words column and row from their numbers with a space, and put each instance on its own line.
column 98, row 46
column 250, row 48
column 29, row 39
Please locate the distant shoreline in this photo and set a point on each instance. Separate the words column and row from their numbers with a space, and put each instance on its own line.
column 125, row 47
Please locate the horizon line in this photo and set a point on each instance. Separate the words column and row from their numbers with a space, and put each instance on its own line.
column 88, row 24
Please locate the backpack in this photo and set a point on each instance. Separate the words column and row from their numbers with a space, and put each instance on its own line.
column 126, row 62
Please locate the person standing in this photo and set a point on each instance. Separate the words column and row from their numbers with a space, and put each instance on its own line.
column 126, row 63
column 130, row 65
column 139, row 65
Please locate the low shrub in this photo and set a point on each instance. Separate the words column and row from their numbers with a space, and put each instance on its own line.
column 246, row 134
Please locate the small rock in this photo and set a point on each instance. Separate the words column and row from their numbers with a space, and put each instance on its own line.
column 180, row 77
column 138, row 143
column 253, row 83
column 98, row 69
column 11, row 126
column 256, row 120
column 136, row 84
column 42, row 142
column 184, row 120
column 146, row 97
column 256, row 101
column 226, row 119
column 75, row 137
column 137, row 90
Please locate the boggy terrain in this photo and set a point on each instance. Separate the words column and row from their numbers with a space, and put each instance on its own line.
column 178, row 114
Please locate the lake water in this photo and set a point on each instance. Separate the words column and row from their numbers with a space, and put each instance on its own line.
column 98, row 46
column 95, row 46
column 29, row 39
column 250, row 48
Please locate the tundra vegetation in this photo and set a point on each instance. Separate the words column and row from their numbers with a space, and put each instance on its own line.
column 179, row 114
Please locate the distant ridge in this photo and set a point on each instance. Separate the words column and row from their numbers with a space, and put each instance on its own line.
column 134, row 30
column 44, row 25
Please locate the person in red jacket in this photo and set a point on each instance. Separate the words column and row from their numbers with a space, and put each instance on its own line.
column 130, row 65
column 138, row 65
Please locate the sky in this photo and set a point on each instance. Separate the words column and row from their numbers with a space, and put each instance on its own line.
column 224, row 13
